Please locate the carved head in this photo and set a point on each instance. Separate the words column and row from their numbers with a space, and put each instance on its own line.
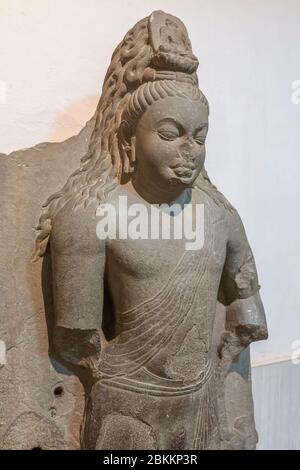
column 162, row 133
column 163, row 118
column 151, row 118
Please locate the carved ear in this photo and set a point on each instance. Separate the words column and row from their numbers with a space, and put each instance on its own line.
column 127, row 149
column 132, row 150
column 124, row 148
column 122, row 135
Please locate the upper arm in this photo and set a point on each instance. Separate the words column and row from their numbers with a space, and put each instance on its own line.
column 78, row 263
column 239, row 287
column 239, row 278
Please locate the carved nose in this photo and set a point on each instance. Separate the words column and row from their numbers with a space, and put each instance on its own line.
column 192, row 156
column 188, row 146
column 188, row 155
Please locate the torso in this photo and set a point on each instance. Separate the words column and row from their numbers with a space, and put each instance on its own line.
column 138, row 271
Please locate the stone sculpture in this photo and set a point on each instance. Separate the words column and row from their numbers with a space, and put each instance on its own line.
column 134, row 318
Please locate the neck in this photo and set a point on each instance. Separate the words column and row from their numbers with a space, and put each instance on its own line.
column 159, row 194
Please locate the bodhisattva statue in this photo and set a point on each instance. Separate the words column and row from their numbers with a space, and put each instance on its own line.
column 138, row 314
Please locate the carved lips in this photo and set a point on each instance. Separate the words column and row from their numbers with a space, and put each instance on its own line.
column 184, row 169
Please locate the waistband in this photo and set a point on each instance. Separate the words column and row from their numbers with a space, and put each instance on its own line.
column 152, row 384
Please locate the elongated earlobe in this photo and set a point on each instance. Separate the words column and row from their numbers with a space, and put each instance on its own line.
column 127, row 150
column 133, row 154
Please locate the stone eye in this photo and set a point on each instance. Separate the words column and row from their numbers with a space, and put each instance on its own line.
column 200, row 140
column 168, row 134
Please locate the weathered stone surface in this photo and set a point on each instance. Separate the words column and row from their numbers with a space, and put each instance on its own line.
column 133, row 325
column 31, row 414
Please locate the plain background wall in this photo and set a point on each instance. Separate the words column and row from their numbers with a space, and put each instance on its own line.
column 53, row 58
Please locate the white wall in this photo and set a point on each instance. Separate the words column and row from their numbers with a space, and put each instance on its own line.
column 53, row 57
column 276, row 394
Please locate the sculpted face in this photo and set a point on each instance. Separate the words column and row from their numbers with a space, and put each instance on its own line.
column 170, row 142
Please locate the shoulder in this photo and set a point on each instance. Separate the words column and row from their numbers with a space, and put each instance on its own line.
column 75, row 229
column 236, row 227
column 218, row 204
column 224, row 213
column 221, row 210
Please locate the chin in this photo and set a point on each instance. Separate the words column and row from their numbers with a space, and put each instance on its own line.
column 187, row 182
column 184, row 181
column 179, row 182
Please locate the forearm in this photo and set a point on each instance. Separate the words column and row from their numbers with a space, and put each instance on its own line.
column 246, row 317
column 78, row 347
column 245, row 323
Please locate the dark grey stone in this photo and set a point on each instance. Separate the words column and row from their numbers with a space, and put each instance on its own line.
column 154, row 334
